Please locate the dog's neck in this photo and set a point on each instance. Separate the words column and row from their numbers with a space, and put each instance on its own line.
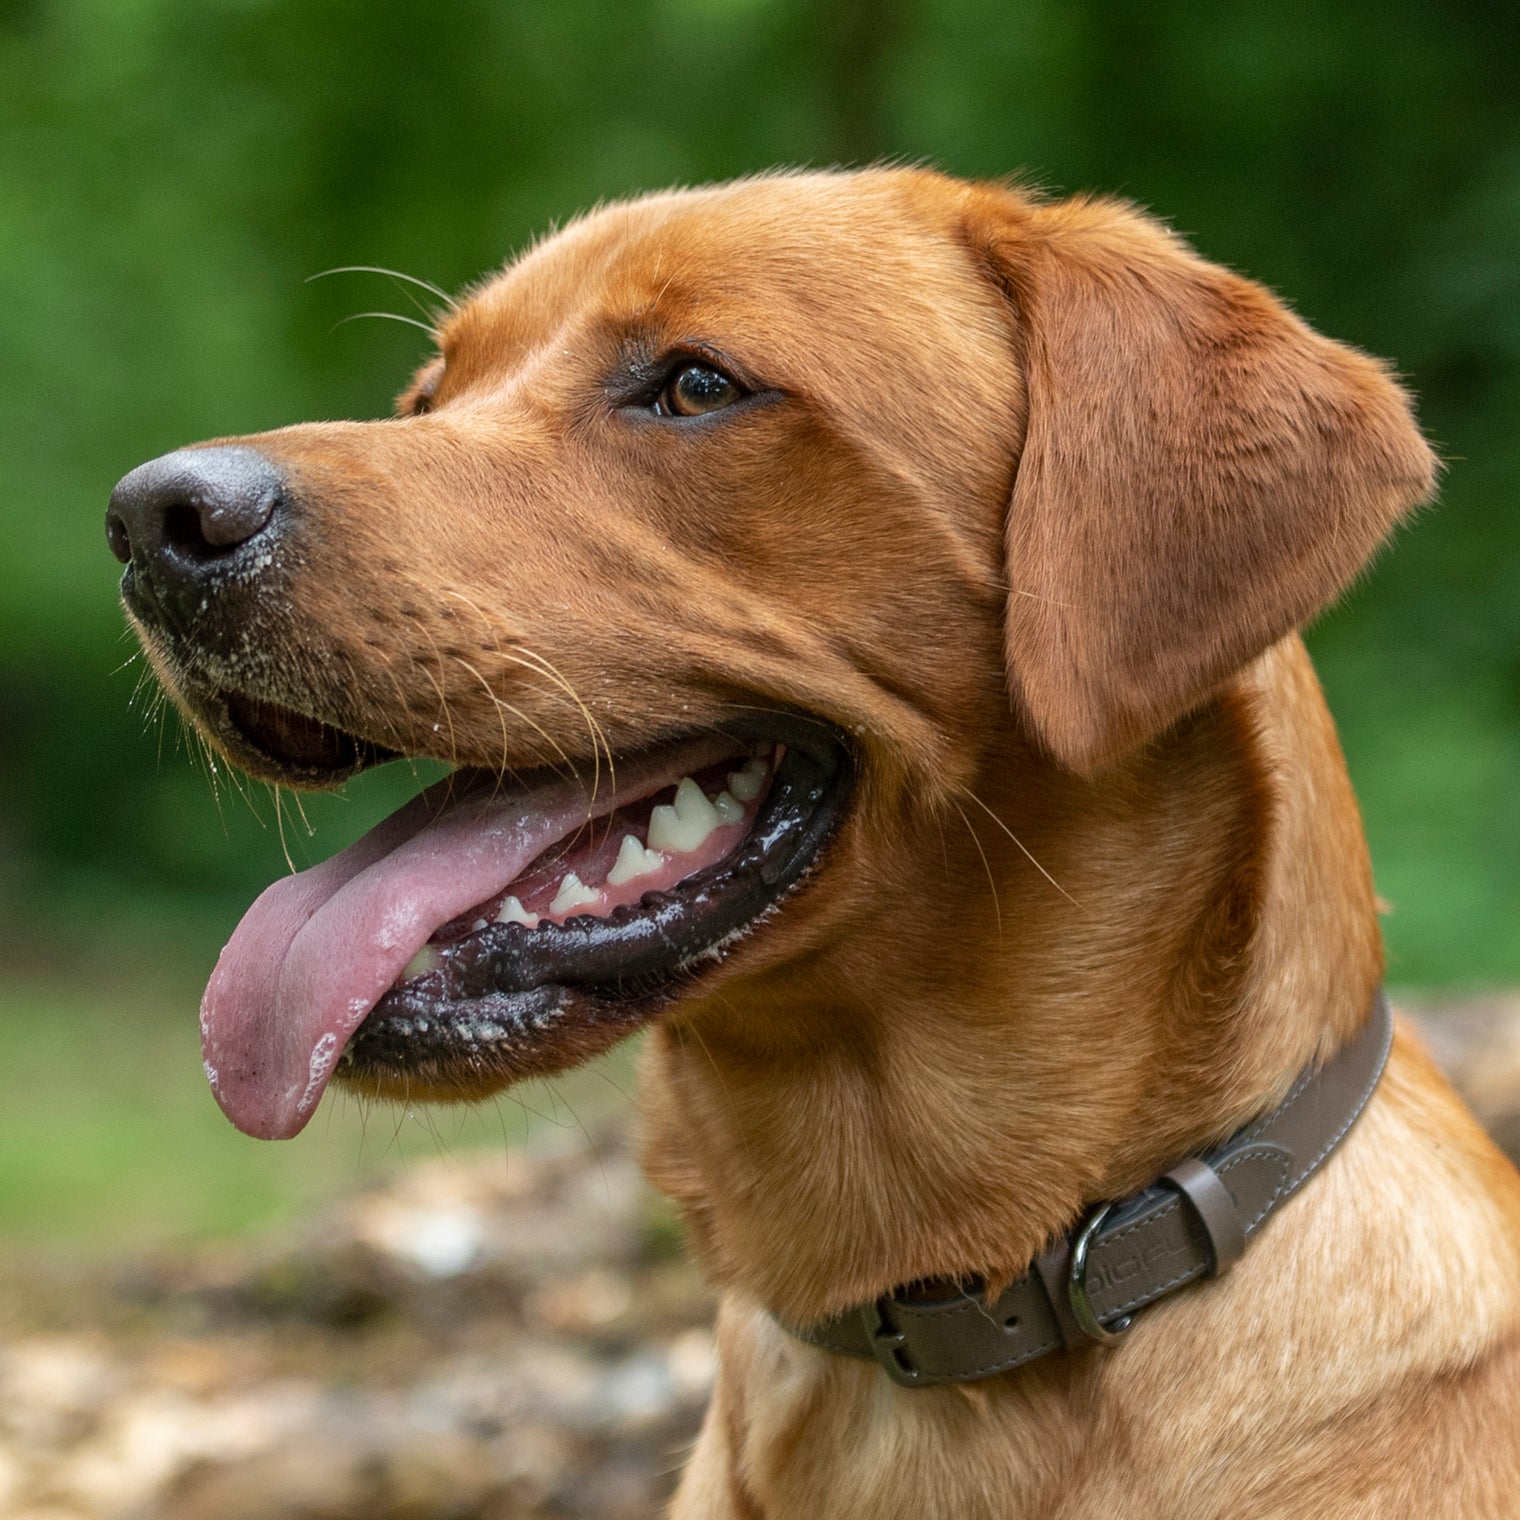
column 1199, row 924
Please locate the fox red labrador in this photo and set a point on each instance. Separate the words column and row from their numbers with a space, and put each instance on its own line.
column 860, row 610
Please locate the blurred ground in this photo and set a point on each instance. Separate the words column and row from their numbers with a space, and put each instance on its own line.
column 481, row 1340
column 511, row 1336
column 1477, row 1040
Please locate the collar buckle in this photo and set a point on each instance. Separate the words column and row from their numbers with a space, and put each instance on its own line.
column 1076, row 1284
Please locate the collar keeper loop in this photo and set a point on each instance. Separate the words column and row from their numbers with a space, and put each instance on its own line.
column 1214, row 1209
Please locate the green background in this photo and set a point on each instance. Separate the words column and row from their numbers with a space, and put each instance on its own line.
column 173, row 171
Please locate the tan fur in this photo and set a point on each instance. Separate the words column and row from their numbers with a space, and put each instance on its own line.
column 1063, row 939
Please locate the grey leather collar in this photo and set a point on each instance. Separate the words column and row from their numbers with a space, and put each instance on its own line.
column 1193, row 1222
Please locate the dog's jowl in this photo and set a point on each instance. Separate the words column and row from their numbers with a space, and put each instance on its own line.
column 860, row 611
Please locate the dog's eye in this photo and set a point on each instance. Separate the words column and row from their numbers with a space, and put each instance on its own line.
column 418, row 398
column 694, row 390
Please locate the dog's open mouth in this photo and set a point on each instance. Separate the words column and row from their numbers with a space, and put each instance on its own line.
column 491, row 930
column 305, row 750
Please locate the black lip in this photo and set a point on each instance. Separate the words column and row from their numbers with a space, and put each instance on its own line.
column 530, row 1001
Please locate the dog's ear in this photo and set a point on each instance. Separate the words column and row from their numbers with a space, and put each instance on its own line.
column 1200, row 471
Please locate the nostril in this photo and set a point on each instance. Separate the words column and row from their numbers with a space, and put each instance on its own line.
column 184, row 530
column 118, row 538
column 235, row 506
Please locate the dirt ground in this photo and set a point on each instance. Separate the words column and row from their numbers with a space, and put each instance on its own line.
column 478, row 1340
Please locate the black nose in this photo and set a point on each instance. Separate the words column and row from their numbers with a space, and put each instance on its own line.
column 183, row 521
column 191, row 510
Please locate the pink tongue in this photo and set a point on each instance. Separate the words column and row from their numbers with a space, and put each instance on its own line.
column 318, row 950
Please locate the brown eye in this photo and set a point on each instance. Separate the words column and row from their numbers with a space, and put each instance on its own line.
column 418, row 397
column 695, row 390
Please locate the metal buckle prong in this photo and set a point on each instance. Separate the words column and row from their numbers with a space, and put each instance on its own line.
column 1076, row 1284
column 888, row 1343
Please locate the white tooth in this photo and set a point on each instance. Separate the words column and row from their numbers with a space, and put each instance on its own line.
column 692, row 805
column 420, row 964
column 513, row 912
column 479, row 923
column 747, row 783
column 685, row 825
column 633, row 861
column 573, row 893
column 729, row 811
column 665, row 829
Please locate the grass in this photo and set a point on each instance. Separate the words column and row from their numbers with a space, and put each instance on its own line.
column 109, row 1137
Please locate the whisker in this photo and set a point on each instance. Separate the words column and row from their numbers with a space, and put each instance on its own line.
column 514, row 1095
column 598, row 735
column 394, row 274
column 501, row 717
column 997, row 907
column 279, row 822
column 528, row 659
column 446, row 713
column 501, row 1124
column 1034, row 596
column 599, row 1069
column 601, row 1160
column 389, row 316
column 155, row 693
column 428, row 1118
column 444, row 710
column 503, row 706
column 403, row 1112
column 235, row 780
column 1024, row 849
column 300, row 807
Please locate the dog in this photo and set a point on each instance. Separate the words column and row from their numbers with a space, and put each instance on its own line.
column 861, row 609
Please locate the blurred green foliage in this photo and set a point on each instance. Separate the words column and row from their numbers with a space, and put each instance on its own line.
column 173, row 171
column 111, row 1144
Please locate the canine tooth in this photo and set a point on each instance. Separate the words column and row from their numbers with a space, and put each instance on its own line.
column 692, row 804
column 683, row 826
column 728, row 810
column 420, row 964
column 573, row 893
column 746, row 784
column 633, row 861
column 513, row 912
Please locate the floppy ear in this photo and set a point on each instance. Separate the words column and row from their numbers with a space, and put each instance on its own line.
column 1200, row 473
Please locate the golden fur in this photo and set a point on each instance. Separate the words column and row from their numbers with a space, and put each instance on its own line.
column 1041, row 503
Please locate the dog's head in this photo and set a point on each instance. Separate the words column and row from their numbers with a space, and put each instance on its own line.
column 727, row 539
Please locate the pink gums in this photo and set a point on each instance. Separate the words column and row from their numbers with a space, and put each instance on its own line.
column 593, row 851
